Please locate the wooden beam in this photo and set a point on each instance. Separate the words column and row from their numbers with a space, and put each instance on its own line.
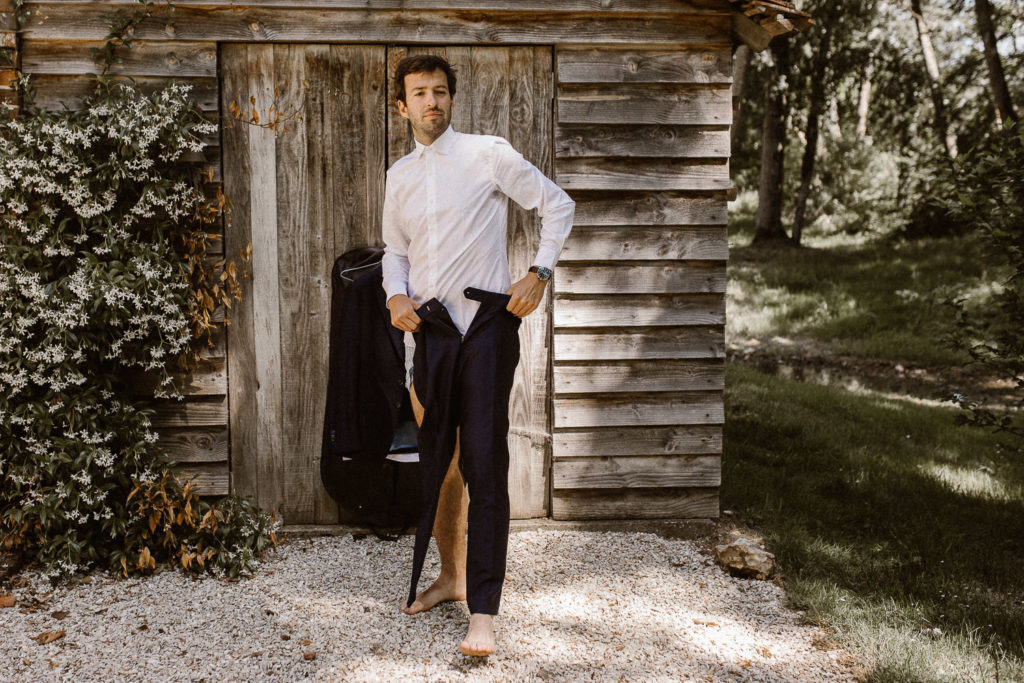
column 248, row 23
column 193, row 445
column 54, row 92
column 668, row 278
column 651, row 141
column 631, row 104
column 641, row 471
column 750, row 32
column 606, row 378
column 598, row 442
column 641, row 174
column 653, row 503
column 636, row 243
column 649, row 409
column 633, row 311
column 653, row 208
column 194, row 413
column 600, row 7
column 590, row 65
column 145, row 58
column 649, row 344
column 209, row 480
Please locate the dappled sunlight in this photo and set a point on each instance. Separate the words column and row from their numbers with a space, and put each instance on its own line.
column 975, row 481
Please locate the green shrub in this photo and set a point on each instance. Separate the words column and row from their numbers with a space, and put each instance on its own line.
column 990, row 198
column 103, row 270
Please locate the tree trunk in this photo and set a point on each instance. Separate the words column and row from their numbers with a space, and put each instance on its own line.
column 932, row 67
column 864, row 102
column 768, row 225
column 996, row 77
column 740, row 61
column 814, row 109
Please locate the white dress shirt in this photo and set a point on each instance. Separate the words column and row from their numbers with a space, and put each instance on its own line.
column 446, row 218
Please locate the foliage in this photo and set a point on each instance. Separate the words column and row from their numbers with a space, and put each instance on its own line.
column 103, row 269
column 990, row 197
column 890, row 525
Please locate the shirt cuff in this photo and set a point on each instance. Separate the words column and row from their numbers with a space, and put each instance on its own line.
column 393, row 287
column 547, row 257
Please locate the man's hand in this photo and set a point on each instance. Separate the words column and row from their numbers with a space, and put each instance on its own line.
column 403, row 313
column 526, row 295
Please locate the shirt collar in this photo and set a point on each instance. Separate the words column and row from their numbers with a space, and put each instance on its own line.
column 442, row 145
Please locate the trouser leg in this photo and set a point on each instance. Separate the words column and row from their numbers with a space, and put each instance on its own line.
column 486, row 372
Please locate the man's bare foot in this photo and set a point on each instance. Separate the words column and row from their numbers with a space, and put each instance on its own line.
column 444, row 589
column 479, row 640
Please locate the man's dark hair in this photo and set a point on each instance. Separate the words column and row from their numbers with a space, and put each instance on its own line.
column 422, row 64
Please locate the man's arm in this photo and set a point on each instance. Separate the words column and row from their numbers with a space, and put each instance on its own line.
column 395, row 265
column 527, row 186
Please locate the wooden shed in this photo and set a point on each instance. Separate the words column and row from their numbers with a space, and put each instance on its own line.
column 617, row 410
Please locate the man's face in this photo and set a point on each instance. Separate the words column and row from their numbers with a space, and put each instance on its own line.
column 428, row 105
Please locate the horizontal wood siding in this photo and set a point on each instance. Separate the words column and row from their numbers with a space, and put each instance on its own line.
column 641, row 141
column 641, row 106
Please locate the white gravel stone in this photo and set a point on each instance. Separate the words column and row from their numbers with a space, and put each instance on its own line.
column 577, row 606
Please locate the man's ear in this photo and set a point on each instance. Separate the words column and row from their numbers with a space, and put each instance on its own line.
column 402, row 109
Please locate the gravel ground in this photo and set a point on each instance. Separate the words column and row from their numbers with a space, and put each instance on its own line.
column 577, row 606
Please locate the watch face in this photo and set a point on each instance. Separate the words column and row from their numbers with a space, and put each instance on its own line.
column 543, row 273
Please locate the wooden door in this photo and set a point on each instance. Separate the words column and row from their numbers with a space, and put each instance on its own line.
column 315, row 189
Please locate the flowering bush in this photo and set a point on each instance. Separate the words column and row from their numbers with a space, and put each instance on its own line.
column 103, row 269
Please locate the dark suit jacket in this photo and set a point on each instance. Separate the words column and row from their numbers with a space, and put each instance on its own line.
column 366, row 383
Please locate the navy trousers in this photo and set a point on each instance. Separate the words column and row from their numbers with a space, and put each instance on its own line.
column 464, row 381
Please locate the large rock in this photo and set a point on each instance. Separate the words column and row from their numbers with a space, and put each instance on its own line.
column 744, row 557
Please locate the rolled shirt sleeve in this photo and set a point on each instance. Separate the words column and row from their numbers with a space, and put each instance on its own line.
column 527, row 186
column 395, row 263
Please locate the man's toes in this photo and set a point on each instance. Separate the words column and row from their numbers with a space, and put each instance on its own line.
column 476, row 648
column 415, row 608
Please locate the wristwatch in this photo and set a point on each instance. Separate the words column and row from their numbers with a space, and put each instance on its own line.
column 541, row 272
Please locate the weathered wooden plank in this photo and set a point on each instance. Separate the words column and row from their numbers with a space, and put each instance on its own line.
column 696, row 440
column 568, row 6
column 53, row 92
column 590, row 65
column 632, row 311
column 512, row 88
column 630, row 377
column 244, row 446
column 691, row 105
column 208, row 379
column 145, row 58
column 663, row 343
column 651, row 141
column 246, row 23
column 263, row 197
column 641, row 174
column 654, row 208
column 640, row 471
column 191, row 413
column 207, row 480
column 303, row 224
column 656, row 409
column 653, row 503
column 204, row 444
column 632, row 243
column 664, row 278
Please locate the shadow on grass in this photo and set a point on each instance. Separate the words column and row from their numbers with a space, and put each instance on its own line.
column 878, row 299
column 884, row 505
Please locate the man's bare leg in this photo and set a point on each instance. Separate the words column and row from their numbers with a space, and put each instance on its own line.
column 449, row 532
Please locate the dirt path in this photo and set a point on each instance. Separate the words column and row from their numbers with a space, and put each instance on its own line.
column 812, row 361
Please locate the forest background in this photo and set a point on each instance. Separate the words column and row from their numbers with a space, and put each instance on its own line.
column 876, row 329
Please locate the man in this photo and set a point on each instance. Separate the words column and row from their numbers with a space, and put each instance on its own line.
column 444, row 228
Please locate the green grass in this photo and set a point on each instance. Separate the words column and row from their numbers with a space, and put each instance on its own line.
column 876, row 299
column 887, row 522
